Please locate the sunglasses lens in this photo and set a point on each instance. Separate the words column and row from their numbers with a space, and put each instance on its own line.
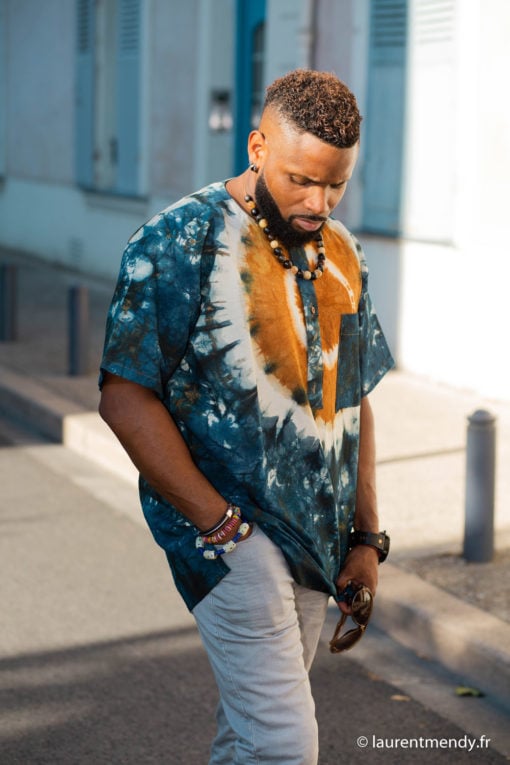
column 346, row 641
column 336, row 637
column 362, row 606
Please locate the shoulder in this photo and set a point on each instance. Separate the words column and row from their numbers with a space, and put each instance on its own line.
column 346, row 240
column 181, row 228
column 189, row 215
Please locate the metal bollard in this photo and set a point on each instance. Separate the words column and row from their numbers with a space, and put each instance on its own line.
column 480, row 480
column 8, row 302
column 78, row 330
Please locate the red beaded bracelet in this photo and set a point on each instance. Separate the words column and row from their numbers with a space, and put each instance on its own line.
column 225, row 531
column 229, row 512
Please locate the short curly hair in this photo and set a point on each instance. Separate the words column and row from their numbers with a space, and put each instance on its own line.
column 317, row 103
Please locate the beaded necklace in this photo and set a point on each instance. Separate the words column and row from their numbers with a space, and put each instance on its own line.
column 285, row 260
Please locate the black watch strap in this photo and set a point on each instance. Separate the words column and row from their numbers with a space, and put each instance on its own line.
column 380, row 541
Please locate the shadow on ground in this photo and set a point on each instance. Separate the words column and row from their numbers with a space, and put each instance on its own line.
column 151, row 699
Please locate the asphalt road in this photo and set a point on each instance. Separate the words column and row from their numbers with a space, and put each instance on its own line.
column 100, row 664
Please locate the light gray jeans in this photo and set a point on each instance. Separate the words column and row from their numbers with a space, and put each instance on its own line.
column 261, row 630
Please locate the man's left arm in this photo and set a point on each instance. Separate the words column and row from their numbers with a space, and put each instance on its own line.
column 361, row 565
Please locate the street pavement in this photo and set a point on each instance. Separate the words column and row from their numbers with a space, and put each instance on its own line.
column 100, row 663
column 100, row 660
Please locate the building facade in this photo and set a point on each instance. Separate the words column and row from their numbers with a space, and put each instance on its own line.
column 113, row 109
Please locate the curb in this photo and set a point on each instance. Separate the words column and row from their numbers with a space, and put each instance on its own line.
column 436, row 625
column 28, row 402
column 31, row 404
column 425, row 619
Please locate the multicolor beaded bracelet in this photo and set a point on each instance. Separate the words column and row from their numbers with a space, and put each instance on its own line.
column 232, row 510
column 214, row 551
column 231, row 526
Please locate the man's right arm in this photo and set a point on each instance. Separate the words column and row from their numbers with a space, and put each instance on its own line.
column 149, row 435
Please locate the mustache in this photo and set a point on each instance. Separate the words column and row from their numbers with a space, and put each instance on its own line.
column 314, row 218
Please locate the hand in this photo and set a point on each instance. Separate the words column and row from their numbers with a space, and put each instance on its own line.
column 361, row 567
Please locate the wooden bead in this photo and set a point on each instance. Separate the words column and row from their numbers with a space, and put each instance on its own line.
column 279, row 254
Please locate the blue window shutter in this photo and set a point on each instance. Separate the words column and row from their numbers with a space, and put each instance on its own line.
column 84, row 92
column 128, row 97
column 250, row 18
column 385, row 117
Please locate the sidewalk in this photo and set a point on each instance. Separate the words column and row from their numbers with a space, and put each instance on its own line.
column 429, row 598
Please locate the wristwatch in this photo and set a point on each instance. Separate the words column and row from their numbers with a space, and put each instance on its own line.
column 380, row 541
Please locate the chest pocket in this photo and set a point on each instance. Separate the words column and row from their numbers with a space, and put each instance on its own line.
column 348, row 381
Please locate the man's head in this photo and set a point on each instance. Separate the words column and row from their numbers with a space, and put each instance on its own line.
column 305, row 150
column 317, row 103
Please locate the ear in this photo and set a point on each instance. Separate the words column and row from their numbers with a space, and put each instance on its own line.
column 257, row 148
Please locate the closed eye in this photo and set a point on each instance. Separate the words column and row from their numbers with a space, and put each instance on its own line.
column 302, row 181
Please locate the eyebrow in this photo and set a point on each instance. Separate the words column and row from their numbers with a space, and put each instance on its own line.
column 306, row 179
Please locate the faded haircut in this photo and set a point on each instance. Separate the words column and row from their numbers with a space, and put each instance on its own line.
column 317, row 103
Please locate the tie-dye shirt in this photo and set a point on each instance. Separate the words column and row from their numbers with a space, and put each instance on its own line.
column 262, row 372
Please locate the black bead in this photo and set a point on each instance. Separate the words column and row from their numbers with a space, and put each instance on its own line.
column 278, row 251
column 287, row 264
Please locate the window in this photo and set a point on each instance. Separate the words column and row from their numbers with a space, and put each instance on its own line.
column 108, row 95
column 385, row 117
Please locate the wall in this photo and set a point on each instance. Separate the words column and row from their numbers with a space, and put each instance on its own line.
column 342, row 47
column 39, row 90
column 212, row 156
column 453, row 291
column 493, row 129
column 440, row 290
column 41, row 209
column 173, row 33
column 288, row 36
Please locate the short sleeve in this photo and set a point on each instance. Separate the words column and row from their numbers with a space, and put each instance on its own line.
column 374, row 353
column 156, row 302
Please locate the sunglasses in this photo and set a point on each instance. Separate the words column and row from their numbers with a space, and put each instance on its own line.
column 361, row 606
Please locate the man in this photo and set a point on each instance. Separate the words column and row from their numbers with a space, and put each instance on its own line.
column 241, row 345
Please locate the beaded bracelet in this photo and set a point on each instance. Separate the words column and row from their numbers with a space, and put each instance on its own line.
column 232, row 525
column 215, row 551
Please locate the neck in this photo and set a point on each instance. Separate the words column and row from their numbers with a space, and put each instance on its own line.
column 240, row 186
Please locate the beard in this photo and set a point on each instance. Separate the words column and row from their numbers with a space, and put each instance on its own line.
column 280, row 228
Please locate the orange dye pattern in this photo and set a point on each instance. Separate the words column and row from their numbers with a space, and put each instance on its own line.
column 275, row 311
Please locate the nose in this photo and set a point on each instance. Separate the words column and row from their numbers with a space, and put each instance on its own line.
column 316, row 201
